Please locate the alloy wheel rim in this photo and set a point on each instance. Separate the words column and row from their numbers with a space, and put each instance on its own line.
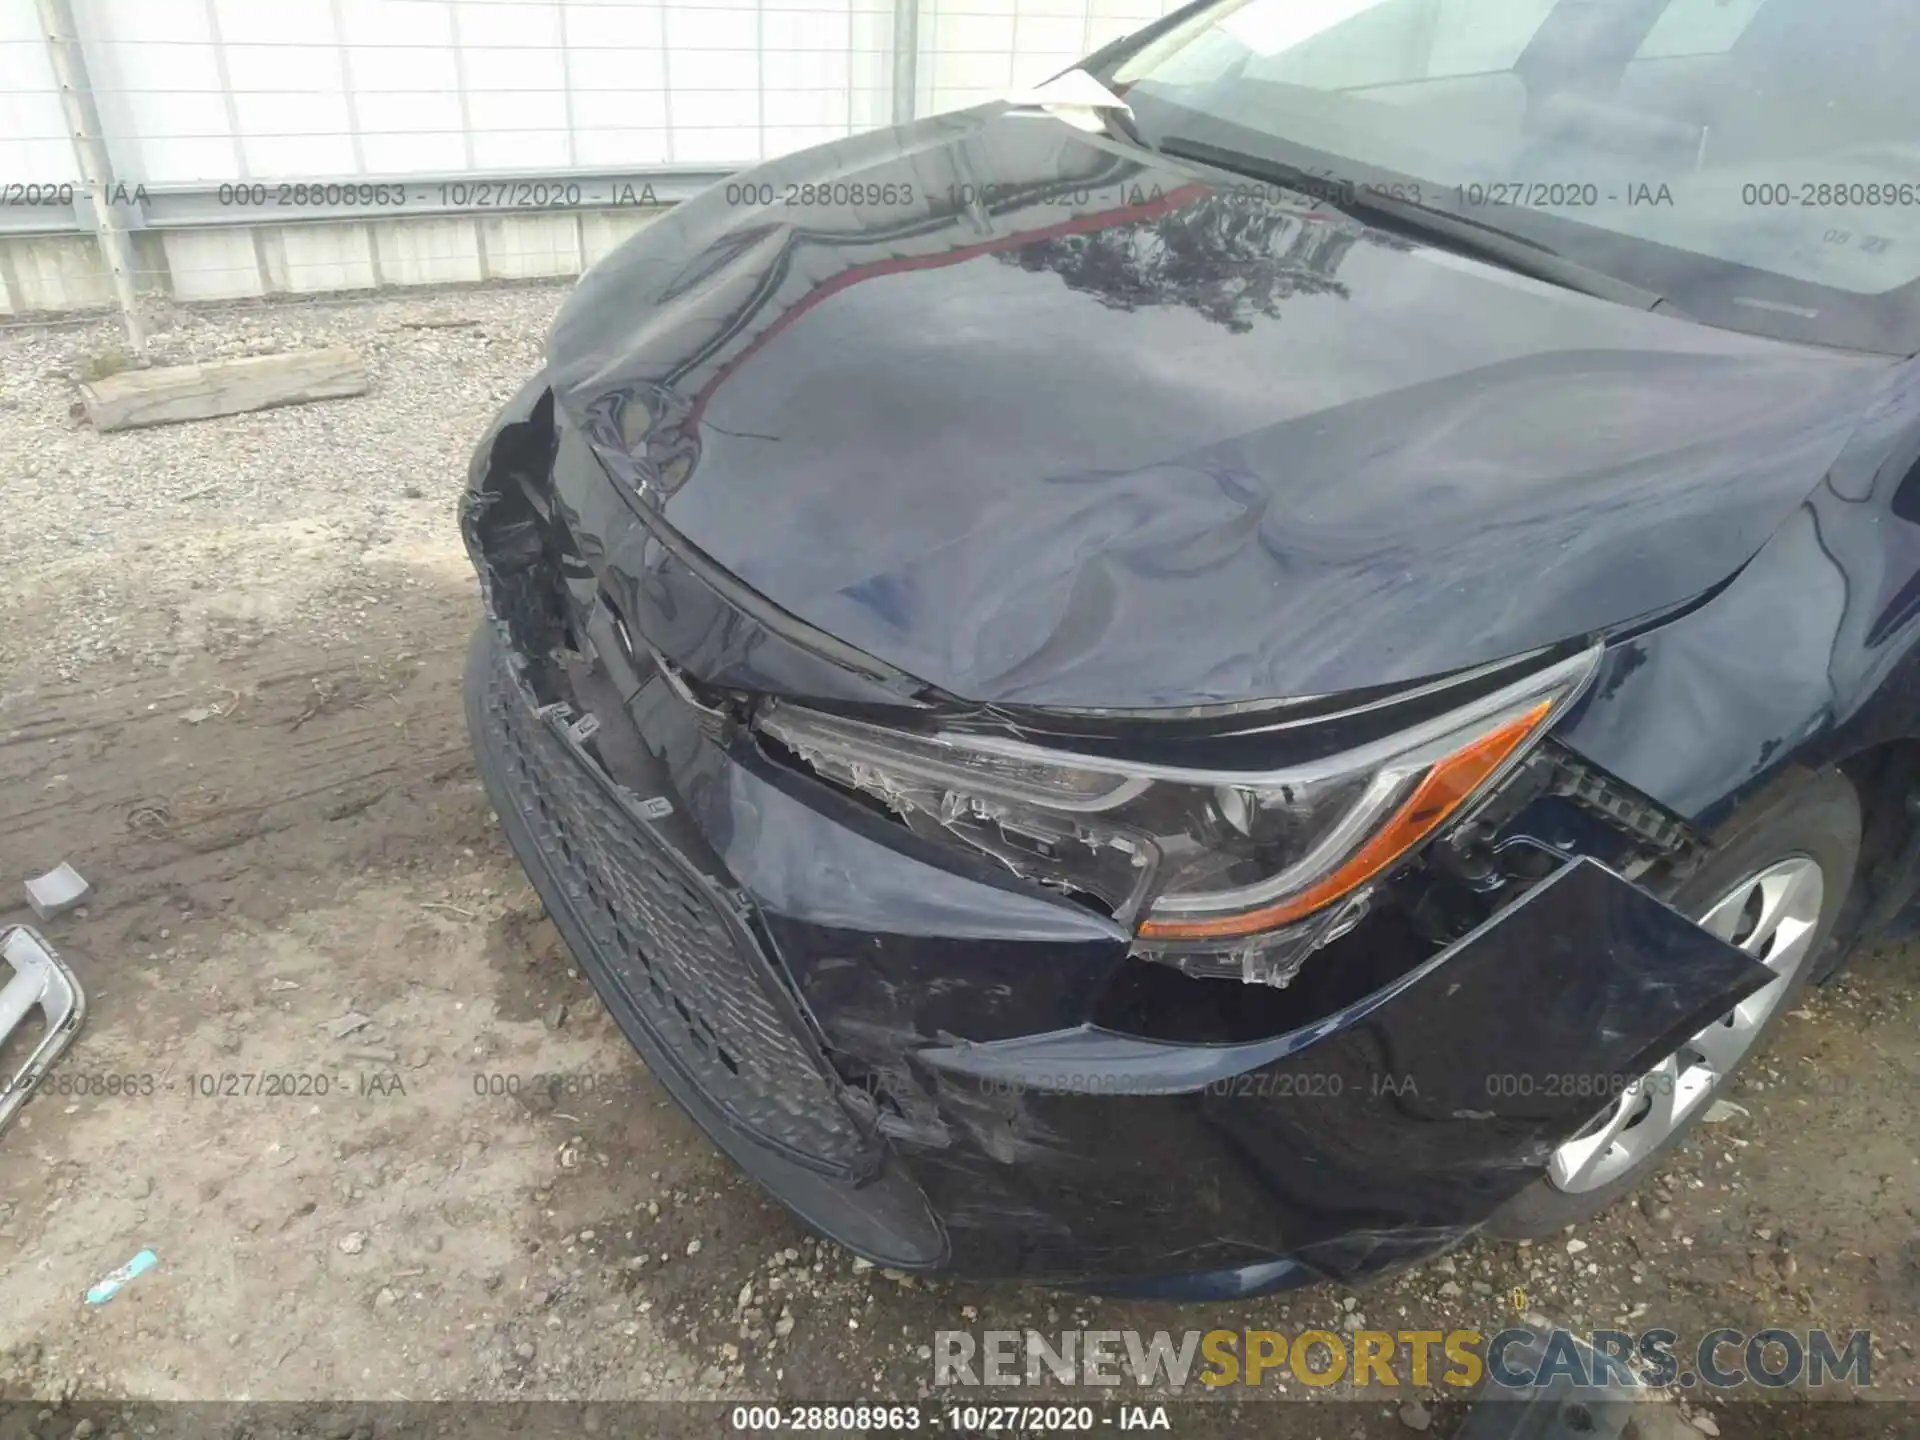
column 1772, row 916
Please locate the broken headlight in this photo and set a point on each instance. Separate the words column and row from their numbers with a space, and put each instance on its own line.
column 1219, row 872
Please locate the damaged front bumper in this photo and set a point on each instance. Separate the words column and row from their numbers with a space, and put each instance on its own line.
column 922, row 1058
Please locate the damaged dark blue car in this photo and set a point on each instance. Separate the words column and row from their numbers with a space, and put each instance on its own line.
column 1225, row 673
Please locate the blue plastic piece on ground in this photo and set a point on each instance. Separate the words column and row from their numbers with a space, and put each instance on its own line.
column 110, row 1287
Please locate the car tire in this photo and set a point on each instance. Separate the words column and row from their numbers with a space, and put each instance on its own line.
column 1811, row 816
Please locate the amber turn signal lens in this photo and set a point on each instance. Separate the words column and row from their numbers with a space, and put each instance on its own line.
column 1441, row 791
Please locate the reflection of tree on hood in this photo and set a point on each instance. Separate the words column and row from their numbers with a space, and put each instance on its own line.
column 1229, row 258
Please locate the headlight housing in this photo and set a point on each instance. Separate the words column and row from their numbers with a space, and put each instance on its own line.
column 1219, row 871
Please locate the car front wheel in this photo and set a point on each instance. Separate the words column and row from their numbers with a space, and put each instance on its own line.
column 1773, row 887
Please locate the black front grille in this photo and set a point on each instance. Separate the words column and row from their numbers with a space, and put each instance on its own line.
column 676, row 949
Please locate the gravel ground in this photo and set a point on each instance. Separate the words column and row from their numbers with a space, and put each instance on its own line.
column 229, row 670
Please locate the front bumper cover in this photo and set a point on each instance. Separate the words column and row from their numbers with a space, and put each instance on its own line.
column 904, row 1055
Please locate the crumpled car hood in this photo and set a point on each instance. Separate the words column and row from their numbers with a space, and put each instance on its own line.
column 1038, row 418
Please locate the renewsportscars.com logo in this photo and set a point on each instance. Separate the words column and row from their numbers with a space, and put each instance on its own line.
column 1519, row 1359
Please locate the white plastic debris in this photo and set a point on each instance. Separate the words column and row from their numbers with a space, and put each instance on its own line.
column 57, row 891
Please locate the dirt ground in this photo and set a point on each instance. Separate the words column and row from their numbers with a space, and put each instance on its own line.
column 229, row 694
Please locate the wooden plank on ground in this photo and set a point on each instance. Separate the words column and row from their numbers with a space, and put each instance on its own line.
column 169, row 393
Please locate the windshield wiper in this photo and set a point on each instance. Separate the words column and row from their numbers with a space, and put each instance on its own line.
column 1440, row 228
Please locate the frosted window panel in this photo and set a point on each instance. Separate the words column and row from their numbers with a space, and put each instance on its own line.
column 785, row 139
column 614, row 149
column 171, row 137
column 592, row 27
column 293, row 135
column 275, row 22
column 728, row 146
column 403, row 71
column 158, row 90
column 411, row 132
column 788, row 33
column 293, row 157
column 388, row 153
column 130, row 22
column 178, row 161
column 634, row 68
column 946, row 99
column 619, row 78
column 972, row 34
column 515, row 85
column 1075, row 10
column 491, row 69
column 294, row 73
column 644, row 107
column 1132, row 13
column 941, row 9
column 1060, row 35
column 807, row 91
column 323, row 88
column 691, row 28
column 1032, row 68
column 33, row 127
column 417, row 69
column 619, row 72
column 810, row 70
column 717, row 106
column 517, row 130
column 538, row 112
column 290, row 106
column 974, row 70
column 714, row 70
column 715, row 126
column 510, row 149
column 823, row 110
column 395, row 22
column 489, row 25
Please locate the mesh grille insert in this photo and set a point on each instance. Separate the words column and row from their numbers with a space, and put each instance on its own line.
column 675, row 949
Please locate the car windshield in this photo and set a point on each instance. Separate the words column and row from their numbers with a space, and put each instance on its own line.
column 1752, row 163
